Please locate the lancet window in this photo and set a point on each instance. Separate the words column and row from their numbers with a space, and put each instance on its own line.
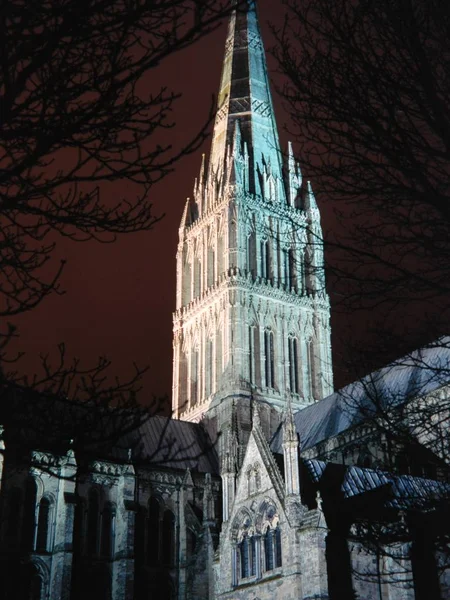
column 247, row 554
column 160, row 534
column 43, row 525
column 211, row 266
column 292, row 269
column 107, row 533
column 269, row 358
column 168, row 538
column 251, row 253
column 272, row 549
column 293, row 364
column 93, row 523
column 254, row 355
column 209, row 375
column 312, row 368
column 194, row 376
column 153, row 531
column 265, row 259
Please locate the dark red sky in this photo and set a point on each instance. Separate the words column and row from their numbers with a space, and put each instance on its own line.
column 119, row 297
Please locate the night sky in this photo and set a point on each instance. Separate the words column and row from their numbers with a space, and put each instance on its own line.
column 119, row 297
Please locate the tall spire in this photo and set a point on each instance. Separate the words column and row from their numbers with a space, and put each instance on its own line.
column 244, row 96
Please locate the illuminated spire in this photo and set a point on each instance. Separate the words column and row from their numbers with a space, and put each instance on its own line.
column 244, row 96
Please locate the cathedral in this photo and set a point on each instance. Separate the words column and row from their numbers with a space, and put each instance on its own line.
column 265, row 483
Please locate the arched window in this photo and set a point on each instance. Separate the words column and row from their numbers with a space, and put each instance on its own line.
column 265, row 259
column 211, row 266
column 187, row 281
column 268, row 550
column 293, row 364
column 209, row 375
column 247, row 552
column 168, row 538
column 312, row 368
column 93, row 523
column 29, row 515
column 251, row 254
column 153, row 532
column 43, row 528
column 269, row 355
column 107, row 537
column 286, row 273
column 272, row 548
column 277, row 547
column 291, row 269
column 140, row 535
column 195, row 360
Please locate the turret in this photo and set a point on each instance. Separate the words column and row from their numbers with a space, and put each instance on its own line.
column 290, row 452
column 315, row 268
column 230, row 463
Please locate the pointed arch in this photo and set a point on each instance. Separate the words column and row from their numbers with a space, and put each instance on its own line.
column 43, row 536
column 153, row 531
column 93, row 522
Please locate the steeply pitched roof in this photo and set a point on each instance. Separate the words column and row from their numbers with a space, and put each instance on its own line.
column 412, row 376
column 169, row 443
column 405, row 491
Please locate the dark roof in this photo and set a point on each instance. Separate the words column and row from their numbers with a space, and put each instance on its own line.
column 405, row 491
column 169, row 443
column 412, row 376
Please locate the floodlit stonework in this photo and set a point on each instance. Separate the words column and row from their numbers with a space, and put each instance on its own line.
column 266, row 483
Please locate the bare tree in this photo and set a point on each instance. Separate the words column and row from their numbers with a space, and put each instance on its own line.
column 76, row 116
column 366, row 86
column 367, row 92
column 73, row 116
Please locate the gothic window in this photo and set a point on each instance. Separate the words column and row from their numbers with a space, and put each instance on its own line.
column 247, row 551
column 251, row 253
column 269, row 357
column 312, row 367
column 93, row 523
column 253, row 349
column 268, row 549
column 29, row 515
column 211, row 266
column 153, row 531
column 272, row 548
column 219, row 354
column 286, row 274
column 140, row 535
column 293, row 364
column 107, row 532
column 291, row 269
column 168, row 538
column 220, row 254
column 194, row 377
column 187, row 281
column 265, row 259
column 197, row 277
column 277, row 543
column 300, row 277
column 43, row 527
column 210, row 367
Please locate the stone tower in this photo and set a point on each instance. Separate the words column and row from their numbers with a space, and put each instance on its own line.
column 252, row 314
